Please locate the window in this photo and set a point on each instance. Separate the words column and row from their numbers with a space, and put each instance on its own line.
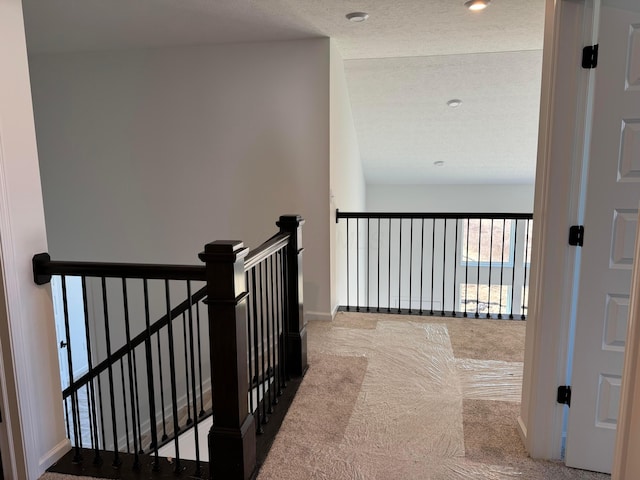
column 487, row 241
column 483, row 299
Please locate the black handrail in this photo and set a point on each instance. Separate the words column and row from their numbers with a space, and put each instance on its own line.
column 430, row 215
column 44, row 267
column 267, row 249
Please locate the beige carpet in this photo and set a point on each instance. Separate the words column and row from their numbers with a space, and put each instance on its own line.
column 407, row 398
column 439, row 400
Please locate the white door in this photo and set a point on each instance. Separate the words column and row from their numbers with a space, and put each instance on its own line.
column 611, row 210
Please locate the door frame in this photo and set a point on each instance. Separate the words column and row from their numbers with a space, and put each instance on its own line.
column 560, row 176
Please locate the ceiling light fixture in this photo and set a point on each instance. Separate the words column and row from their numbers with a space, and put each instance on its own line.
column 357, row 17
column 477, row 5
column 454, row 102
column 439, row 163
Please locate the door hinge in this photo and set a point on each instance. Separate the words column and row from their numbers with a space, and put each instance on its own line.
column 576, row 235
column 590, row 56
column 564, row 395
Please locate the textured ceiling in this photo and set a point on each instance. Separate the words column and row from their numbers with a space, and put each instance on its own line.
column 402, row 65
column 404, row 123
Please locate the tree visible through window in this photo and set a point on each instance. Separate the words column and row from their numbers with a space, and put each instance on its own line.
column 487, row 241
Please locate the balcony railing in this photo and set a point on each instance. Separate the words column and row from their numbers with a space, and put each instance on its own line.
column 457, row 264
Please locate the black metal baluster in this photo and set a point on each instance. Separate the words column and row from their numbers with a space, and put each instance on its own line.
column 101, row 407
column 97, row 459
column 357, row 264
column 77, row 456
column 389, row 283
column 124, row 403
column 526, row 258
column 421, row 263
column 162, row 404
column 201, row 413
column 132, row 394
column 368, row 264
column 263, row 338
column 116, row 457
column 193, row 381
column 378, row 270
column 66, row 417
column 466, row 273
column 490, row 264
column 90, row 408
column 348, row 266
column 455, row 270
column 479, row 261
column 79, row 425
column 259, row 422
column 433, row 254
column 253, row 379
column 274, row 337
column 150, row 384
column 444, row 263
column 172, row 372
column 513, row 272
column 269, row 309
column 410, row 261
column 140, row 449
column 186, row 368
column 285, row 310
column 279, row 320
column 399, row 265
column 504, row 228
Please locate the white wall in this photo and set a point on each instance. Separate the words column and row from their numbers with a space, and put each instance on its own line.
column 148, row 155
column 32, row 426
column 450, row 198
column 347, row 183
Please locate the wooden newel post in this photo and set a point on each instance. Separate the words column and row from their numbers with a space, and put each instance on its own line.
column 232, row 438
column 296, row 330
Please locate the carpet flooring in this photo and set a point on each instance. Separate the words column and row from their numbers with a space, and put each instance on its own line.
column 409, row 398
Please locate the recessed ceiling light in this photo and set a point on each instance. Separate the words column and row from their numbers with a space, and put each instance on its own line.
column 476, row 5
column 357, row 17
column 454, row 102
column 439, row 163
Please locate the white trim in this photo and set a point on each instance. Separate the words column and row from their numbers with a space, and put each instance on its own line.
column 9, row 433
column 522, row 430
column 18, row 445
column 55, row 454
column 556, row 208
column 324, row 316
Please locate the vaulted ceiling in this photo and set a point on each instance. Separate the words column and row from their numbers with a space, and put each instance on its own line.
column 403, row 64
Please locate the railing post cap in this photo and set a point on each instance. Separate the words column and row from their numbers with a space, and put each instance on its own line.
column 290, row 221
column 223, row 251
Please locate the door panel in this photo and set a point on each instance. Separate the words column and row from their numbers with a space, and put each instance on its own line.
column 612, row 197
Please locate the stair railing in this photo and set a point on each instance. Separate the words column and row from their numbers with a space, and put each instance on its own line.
column 227, row 351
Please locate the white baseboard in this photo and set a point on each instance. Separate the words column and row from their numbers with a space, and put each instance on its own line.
column 324, row 316
column 53, row 455
column 522, row 430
